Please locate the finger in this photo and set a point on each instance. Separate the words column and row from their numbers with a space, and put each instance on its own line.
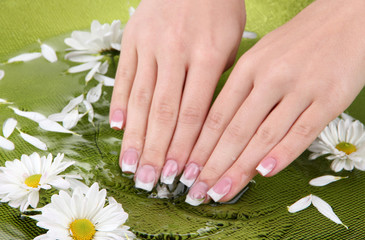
column 124, row 78
column 234, row 140
column 161, row 122
column 225, row 106
column 198, row 92
column 299, row 137
column 138, row 110
column 267, row 136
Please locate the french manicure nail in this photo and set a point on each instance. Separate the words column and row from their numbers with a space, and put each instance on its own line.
column 190, row 174
column 129, row 160
column 145, row 178
column 169, row 172
column 117, row 119
column 197, row 194
column 220, row 189
column 266, row 166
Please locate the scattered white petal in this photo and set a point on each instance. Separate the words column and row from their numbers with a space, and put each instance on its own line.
column 6, row 144
column 83, row 58
column 94, row 93
column 324, row 180
column 2, row 74
column 89, row 110
column 82, row 67
column 57, row 117
column 52, row 126
column 9, row 126
column 34, row 141
column 324, row 208
column 301, row 204
column 106, row 81
column 3, row 101
column 249, row 35
column 73, row 103
column 92, row 72
column 49, row 53
column 37, row 117
column 131, row 11
column 25, row 57
column 103, row 69
column 71, row 119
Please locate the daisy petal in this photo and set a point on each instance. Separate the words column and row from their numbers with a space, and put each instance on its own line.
column 131, row 11
column 2, row 74
column 52, row 126
column 89, row 110
column 106, row 81
column 73, row 103
column 34, row 141
column 324, row 180
column 57, row 117
column 337, row 165
column 324, row 208
column 49, row 53
column 6, row 144
column 37, row 117
column 92, row 72
column 82, row 67
column 301, row 204
column 9, row 126
column 25, row 57
column 94, row 93
column 71, row 119
column 249, row 35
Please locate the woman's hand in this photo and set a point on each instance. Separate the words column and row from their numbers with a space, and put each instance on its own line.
column 173, row 54
column 278, row 98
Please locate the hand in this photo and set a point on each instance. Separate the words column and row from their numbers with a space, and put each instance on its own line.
column 172, row 56
column 278, row 98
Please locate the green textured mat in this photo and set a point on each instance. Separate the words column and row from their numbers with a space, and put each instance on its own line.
column 46, row 88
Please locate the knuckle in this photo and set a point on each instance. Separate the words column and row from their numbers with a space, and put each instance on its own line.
column 152, row 152
column 211, row 173
column 123, row 73
column 132, row 138
column 190, row 115
column 242, row 169
column 235, row 133
column 215, row 121
column 165, row 112
column 141, row 97
column 265, row 135
column 303, row 130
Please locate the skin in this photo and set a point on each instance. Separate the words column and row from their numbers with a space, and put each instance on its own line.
column 278, row 98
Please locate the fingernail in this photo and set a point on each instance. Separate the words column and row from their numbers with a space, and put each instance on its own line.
column 145, row 178
column 129, row 160
column 266, row 166
column 117, row 119
column 190, row 174
column 169, row 172
column 197, row 194
column 220, row 189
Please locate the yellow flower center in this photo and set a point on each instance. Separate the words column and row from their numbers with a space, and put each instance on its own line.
column 346, row 147
column 82, row 229
column 33, row 181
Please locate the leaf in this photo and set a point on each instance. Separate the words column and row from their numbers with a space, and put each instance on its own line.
column 25, row 57
column 53, row 126
column 49, row 53
column 324, row 180
column 37, row 117
column 324, row 208
column 73, row 103
column 2, row 74
column 34, row 141
column 6, row 144
column 71, row 119
column 9, row 126
column 89, row 110
column 106, row 81
column 301, row 204
column 94, row 94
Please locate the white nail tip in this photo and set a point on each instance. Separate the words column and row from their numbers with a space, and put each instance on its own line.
column 187, row 182
column 168, row 180
column 215, row 196
column 129, row 168
column 192, row 201
column 145, row 186
column 116, row 124
column 263, row 171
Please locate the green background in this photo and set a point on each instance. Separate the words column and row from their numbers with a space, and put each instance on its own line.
column 40, row 86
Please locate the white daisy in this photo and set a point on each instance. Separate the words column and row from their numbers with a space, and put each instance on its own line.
column 343, row 141
column 21, row 180
column 83, row 216
column 95, row 48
